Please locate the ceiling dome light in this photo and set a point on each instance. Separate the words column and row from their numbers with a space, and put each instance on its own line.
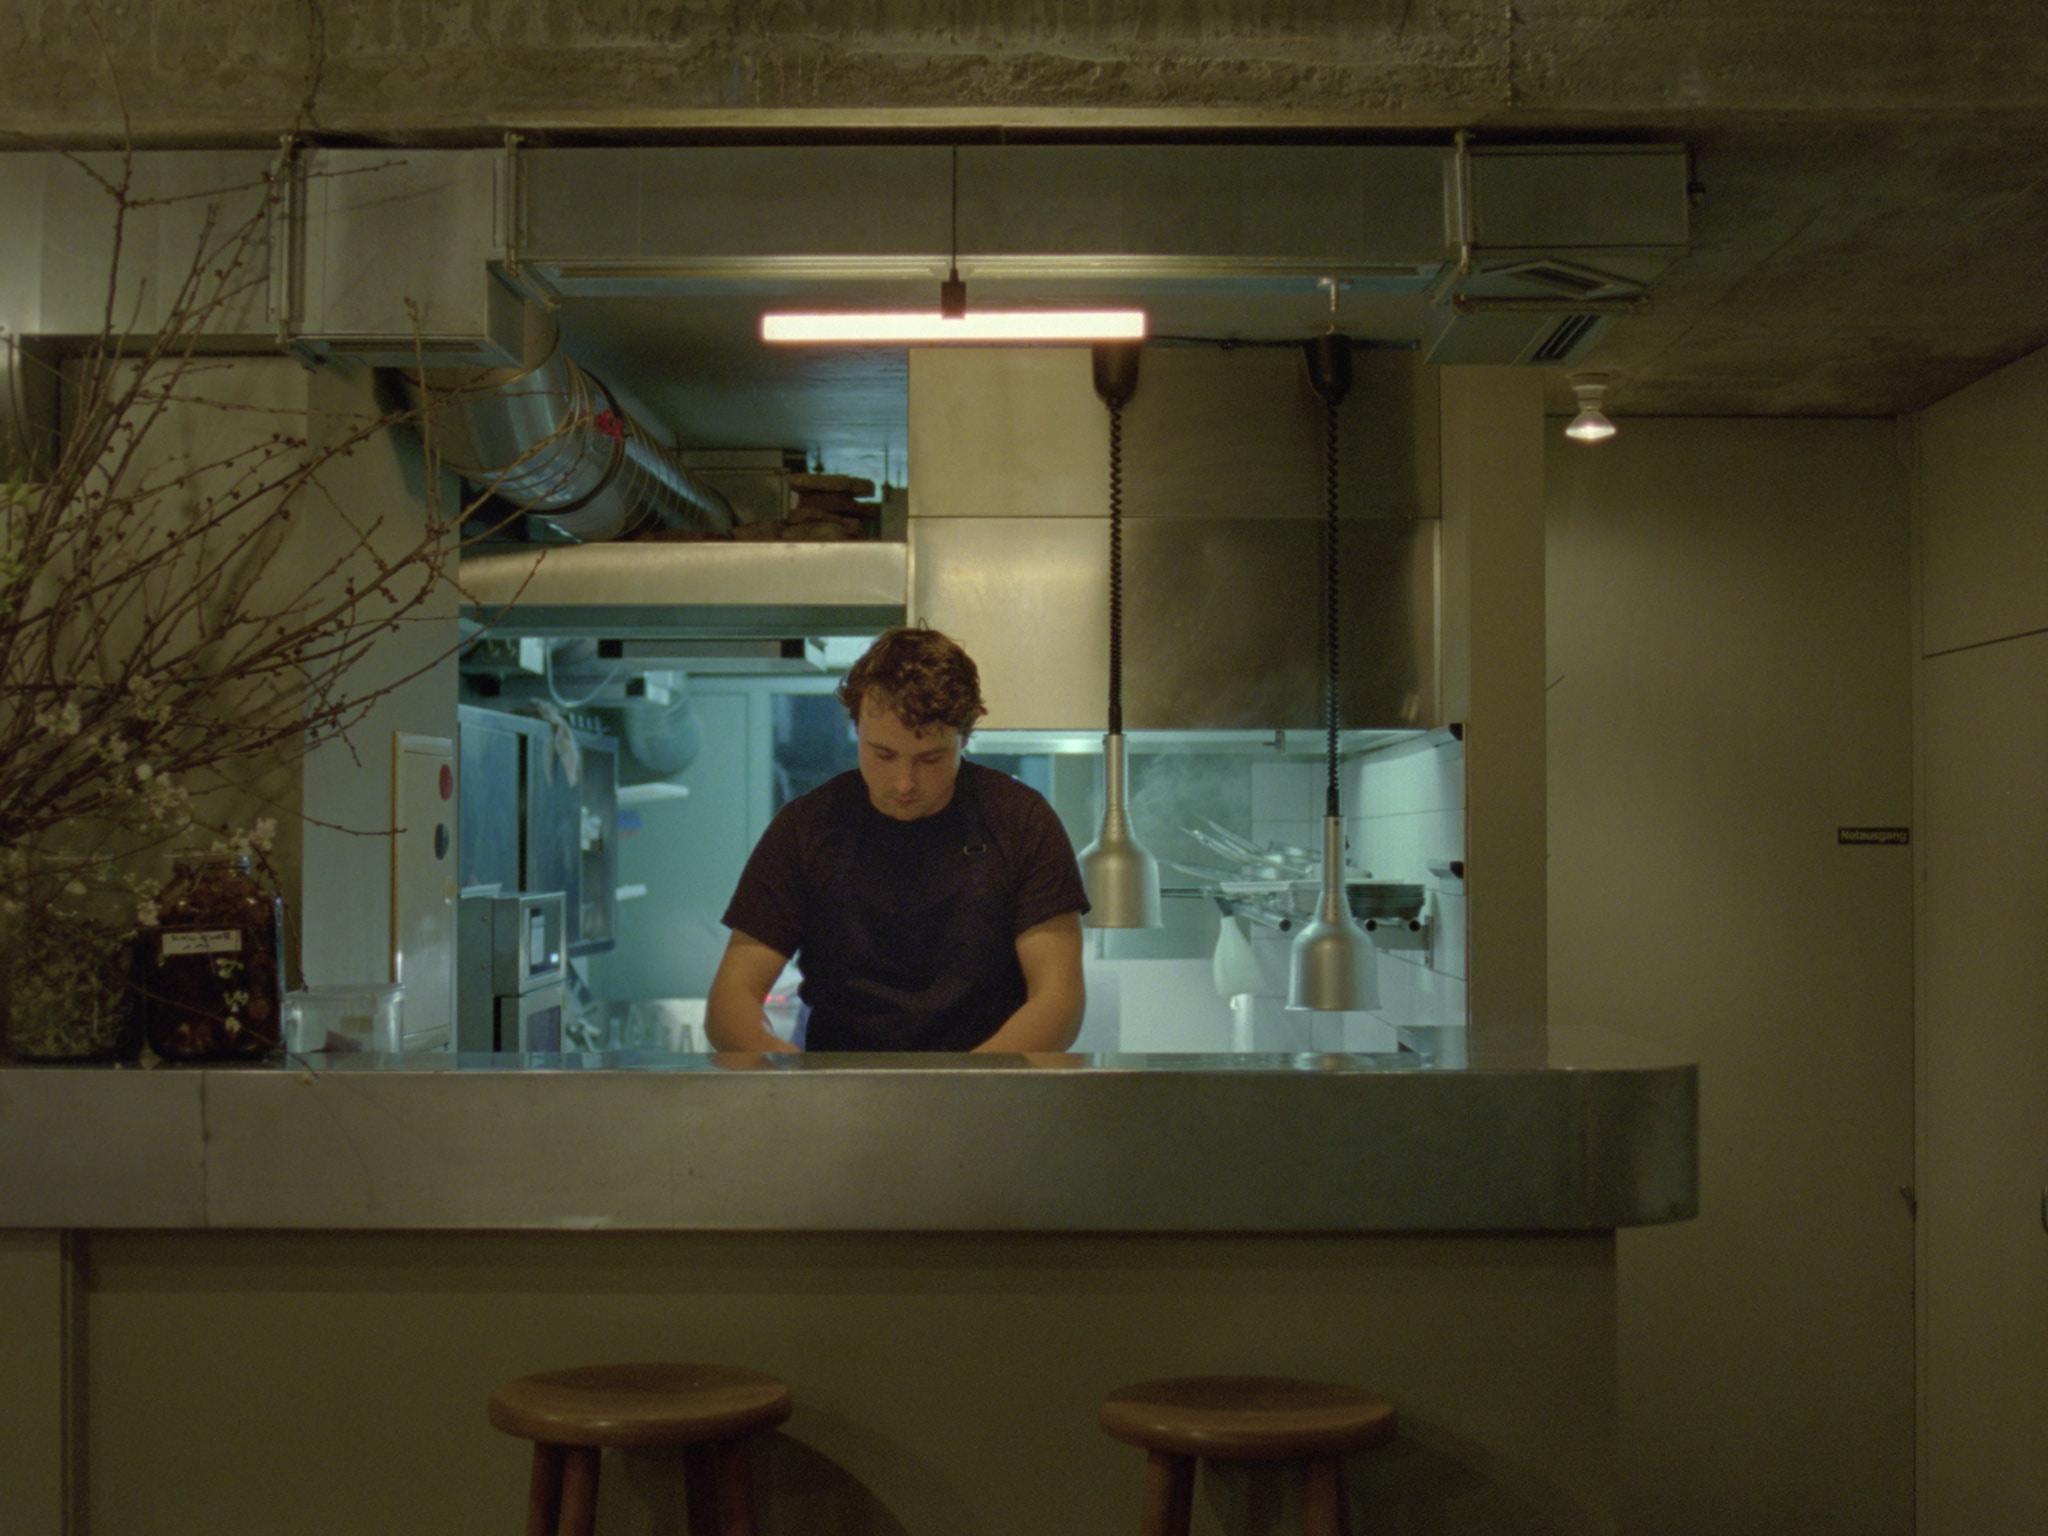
column 1591, row 424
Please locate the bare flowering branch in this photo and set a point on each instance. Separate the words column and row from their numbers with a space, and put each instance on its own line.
column 186, row 603
column 195, row 588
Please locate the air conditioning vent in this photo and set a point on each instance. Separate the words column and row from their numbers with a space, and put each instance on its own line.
column 1568, row 278
column 1565, row 338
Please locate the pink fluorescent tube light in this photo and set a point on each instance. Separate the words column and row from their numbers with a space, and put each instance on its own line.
column 915, row 328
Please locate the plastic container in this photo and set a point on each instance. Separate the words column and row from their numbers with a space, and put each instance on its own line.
column 363, row 1017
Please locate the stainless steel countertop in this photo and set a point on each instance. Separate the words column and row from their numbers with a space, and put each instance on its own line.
column 1601, row 1132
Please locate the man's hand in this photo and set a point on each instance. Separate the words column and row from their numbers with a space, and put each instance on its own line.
column 733, row 1020
column 1054, row 995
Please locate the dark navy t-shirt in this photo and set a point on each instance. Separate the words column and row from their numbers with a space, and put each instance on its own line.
column 906, row 930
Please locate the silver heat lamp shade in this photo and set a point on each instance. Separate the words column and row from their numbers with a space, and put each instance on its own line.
column 1333, row 968
column 1121, row 878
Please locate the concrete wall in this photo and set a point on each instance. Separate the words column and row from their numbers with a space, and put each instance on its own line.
column 1982, row 1045
column 1730, row 683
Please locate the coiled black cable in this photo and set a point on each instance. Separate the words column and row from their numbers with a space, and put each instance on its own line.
column 1116, row 567
column 1331, row 593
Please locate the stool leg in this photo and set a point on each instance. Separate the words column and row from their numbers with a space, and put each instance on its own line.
column 1322, row 1498
column 544, row 1491
column 700, row 1488
column 1169, row 1495
column 579, row 1491
column 735, row 1489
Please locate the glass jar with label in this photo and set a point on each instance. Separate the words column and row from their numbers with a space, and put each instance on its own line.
column 214, row 963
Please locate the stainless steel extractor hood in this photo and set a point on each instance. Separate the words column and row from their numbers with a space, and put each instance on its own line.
column 656, row 590
column 1223, row 488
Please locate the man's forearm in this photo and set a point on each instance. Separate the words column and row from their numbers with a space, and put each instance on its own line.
column 734, row 1021
column 1048, row 1022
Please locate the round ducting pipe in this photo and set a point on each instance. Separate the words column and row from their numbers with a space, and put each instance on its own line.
column 550, row 439
column 664, row 739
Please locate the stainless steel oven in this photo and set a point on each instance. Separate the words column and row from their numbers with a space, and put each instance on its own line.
column 511, row 970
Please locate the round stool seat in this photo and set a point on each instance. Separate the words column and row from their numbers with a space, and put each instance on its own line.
column 1248, row 1418
column 632, row 1407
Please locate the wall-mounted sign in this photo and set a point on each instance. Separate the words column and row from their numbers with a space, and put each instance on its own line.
column 1892, row 837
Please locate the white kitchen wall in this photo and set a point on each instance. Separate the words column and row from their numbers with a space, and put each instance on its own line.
column 1408, row 813
column 1405, row 808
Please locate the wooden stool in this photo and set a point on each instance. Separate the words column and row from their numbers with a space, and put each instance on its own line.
column 571, row 1415
column 1245, row 1418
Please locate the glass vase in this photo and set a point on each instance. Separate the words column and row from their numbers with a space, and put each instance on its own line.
column 66, row 991
column 213, row 963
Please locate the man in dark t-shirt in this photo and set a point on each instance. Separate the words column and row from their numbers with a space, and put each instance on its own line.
column 934, row 905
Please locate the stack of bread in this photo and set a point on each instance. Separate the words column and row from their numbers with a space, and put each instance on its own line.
column 829, row 507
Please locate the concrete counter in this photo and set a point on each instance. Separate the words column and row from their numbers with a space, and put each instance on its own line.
column 1601, row 1133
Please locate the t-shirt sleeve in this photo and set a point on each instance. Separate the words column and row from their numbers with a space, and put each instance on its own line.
column 768, row 903
column 1048, row 878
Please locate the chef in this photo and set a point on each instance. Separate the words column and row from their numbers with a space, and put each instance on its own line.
column 932, row 904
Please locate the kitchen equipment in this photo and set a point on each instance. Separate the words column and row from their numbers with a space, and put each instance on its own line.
column 532, row 1021
column 539, row 812
column 669, row 1025
column 511, row 969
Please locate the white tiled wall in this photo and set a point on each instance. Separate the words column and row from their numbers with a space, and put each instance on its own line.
column 1405, row 807
column 1287, row 807
column 1406, row 810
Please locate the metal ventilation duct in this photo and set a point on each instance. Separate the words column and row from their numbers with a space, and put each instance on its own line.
column 553, row 441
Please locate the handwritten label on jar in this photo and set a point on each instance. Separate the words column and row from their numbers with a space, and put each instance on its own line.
column 212, row 941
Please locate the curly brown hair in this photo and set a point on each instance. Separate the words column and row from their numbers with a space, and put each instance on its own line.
column 920, row 676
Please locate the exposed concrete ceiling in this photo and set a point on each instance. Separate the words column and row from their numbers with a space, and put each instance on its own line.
column 1843, row 271
column 1871, row 175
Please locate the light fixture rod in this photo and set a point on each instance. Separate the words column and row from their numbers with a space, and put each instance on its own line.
column 1121, row 878
column 1329, row 370
column 1116, row 380
column 1331, row 966
column 953, row 292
